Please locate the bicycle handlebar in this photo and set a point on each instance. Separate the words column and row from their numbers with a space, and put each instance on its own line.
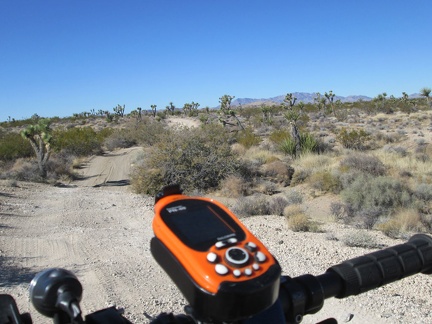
column 306, row 294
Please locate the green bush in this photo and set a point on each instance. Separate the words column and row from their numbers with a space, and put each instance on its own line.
column 247, row 138
column 355, row 139
column 197, row 159
column 120, row 138
column 364, row 163
column 13, row 146
column 78, row 141
column 325, row 181
column 371, row 197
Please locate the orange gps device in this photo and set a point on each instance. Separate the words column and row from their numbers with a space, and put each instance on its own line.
column 222, row 269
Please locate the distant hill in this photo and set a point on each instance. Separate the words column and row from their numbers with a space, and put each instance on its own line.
column 305, row 97
column 301, row 96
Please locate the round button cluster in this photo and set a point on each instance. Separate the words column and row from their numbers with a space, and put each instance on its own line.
column 245, row 261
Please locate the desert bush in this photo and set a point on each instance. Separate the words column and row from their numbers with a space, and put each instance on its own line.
column 423, row 192
column 252, row 206
column 371, row 197
column 13, row 146
column 361, row 162
column 234, row 186
column 23, row 170
column 279, row 135
column 277, row 205
column 78, row 141
column 354, row 139
column 197, row 159
column 300, row 176
column 325, row 181
column 405, row 220
column 148, row 132
column 120, row 138
column 247, row 138
column 379, row 192
column 298, row 221
column 361, row 239
column 294, row 197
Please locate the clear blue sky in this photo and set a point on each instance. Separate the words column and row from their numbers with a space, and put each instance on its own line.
column 59, row 57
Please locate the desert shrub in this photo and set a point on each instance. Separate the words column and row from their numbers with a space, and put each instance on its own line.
column 78, row 141
column 265, row 187
column 377, row 192
column 354, row 139
column 325, row 181
column 279, row 135
column 120, row 138
column 234, row 186
column 13, row 146
column 147, row 132
column 277, row 205
column 298, row 221
column 294, row 197
column 338, row 210
column 300, row 176
column 197, row 159
column 361, row 239
column 363, row 163
column 247, row 138
column 405, row 220
column 23, row 170
column 423, row 192
column 252, row 206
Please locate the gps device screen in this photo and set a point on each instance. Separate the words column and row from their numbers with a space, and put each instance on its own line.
column 200, row 224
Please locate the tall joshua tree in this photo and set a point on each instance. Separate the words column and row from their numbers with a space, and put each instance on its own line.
column 293, row 115
column 425, row 92
column 39, row 136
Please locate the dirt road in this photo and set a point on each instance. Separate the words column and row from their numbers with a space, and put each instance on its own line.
column 102, row 234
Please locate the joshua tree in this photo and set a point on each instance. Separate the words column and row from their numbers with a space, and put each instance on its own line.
column 320, row 102
column 153, row 108
column 293, row 115
column 170, row 108
column 119, row 110
column 330, row 96
column 225, row 109
column 39, row 136
column 425, row 92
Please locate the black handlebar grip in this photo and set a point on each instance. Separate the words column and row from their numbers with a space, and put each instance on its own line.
column 382, row 267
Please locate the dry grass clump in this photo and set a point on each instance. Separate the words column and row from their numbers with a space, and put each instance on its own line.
column 361, row 239
column 362, row 162
column 396, row 164
column 234, row 186
column 298, row 221
column 404, row 221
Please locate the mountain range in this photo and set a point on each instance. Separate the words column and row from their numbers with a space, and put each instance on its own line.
column 301, row 96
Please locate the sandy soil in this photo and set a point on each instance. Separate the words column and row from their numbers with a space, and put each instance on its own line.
column 101, row 231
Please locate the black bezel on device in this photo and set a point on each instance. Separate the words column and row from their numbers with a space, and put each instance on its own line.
column 234, row 300
column 199, row 223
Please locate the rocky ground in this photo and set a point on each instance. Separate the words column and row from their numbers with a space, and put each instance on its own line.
column 102, row 234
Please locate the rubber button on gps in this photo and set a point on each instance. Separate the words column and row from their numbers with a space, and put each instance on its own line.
column 251, row 246
column 221, row 269
column 237, row 273
column 212, row 257
column 260, row 257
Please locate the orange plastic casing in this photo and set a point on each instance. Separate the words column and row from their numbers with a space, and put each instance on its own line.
column 195, row 262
